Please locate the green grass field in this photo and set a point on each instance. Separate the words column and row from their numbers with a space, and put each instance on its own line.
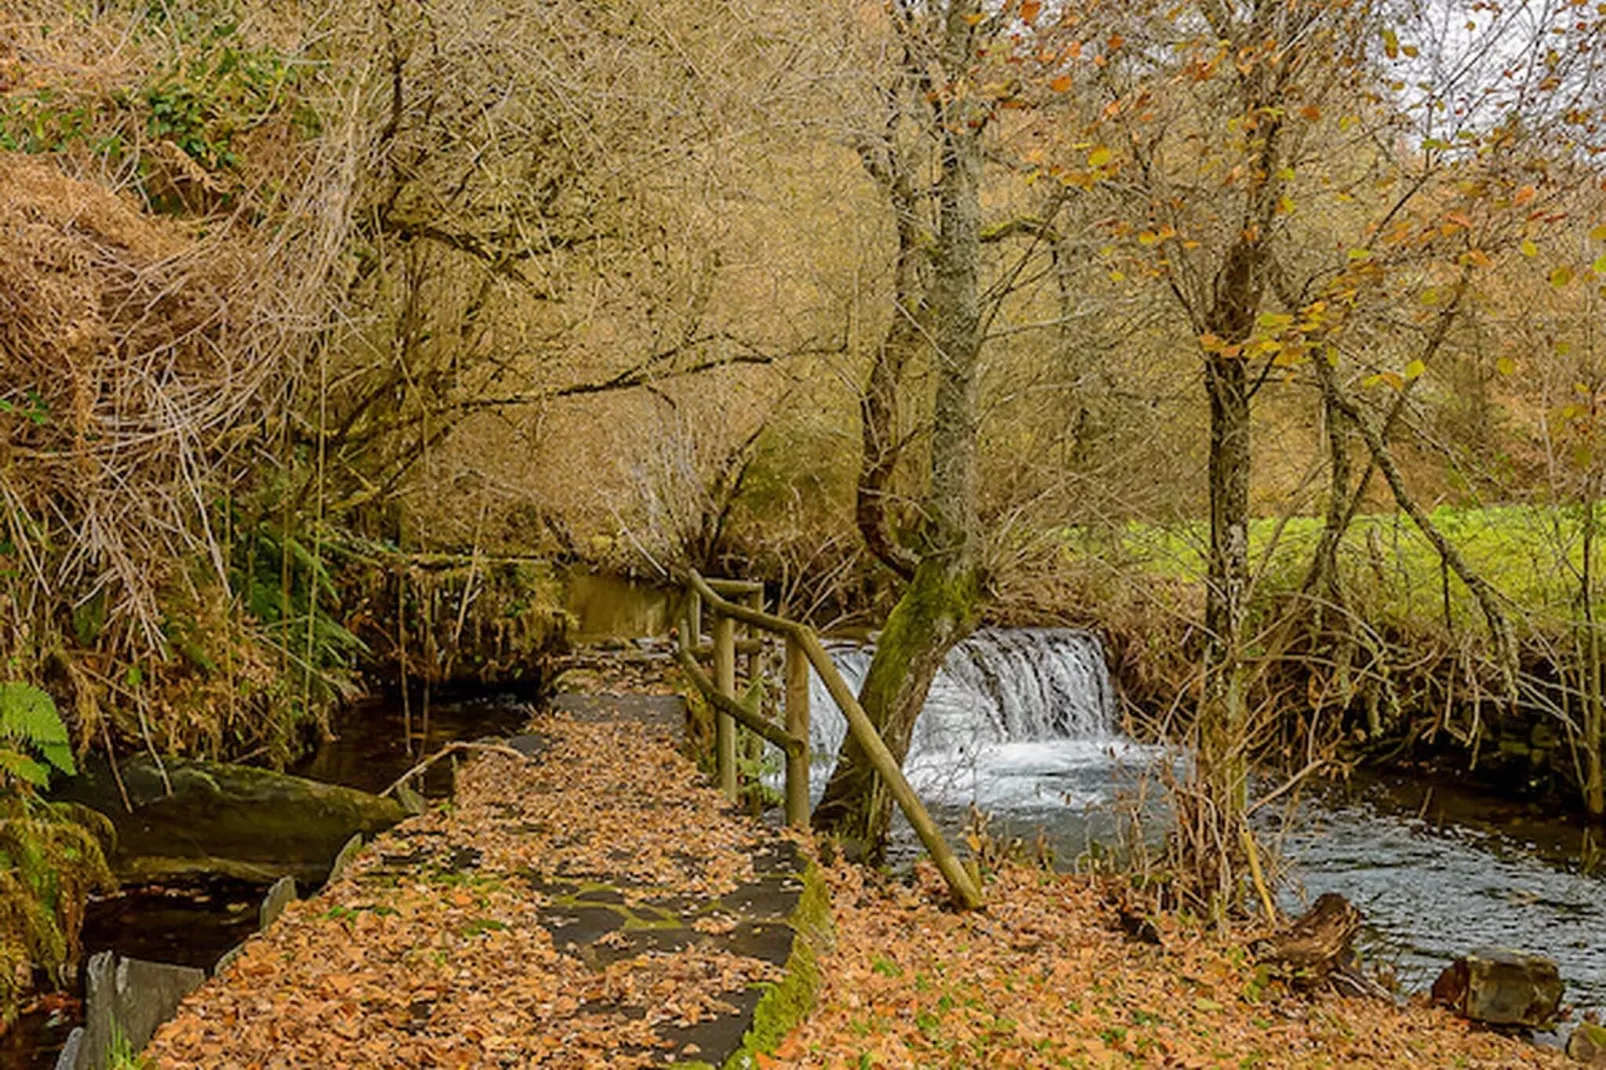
column 1530, row 554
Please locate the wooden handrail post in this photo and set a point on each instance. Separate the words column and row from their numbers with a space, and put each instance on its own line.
column 804, row 646
column 724, row 723
column 797, row 726
column 694, row 619
column 966, row 891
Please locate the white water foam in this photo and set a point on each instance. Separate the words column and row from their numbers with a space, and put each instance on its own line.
column 1018, row 719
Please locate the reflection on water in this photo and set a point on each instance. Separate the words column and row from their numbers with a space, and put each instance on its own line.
column 369, row 749
column 615, row 607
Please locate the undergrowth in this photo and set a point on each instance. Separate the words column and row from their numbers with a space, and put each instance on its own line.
column 52, row 855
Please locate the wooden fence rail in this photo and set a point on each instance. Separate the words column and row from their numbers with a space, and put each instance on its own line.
column 731, row 602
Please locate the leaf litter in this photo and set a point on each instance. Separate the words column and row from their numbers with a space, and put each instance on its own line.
column 415, row 960
column 1044, row 976
column 436, row 947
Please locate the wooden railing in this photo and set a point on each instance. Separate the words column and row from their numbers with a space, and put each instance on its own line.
column 731, row 602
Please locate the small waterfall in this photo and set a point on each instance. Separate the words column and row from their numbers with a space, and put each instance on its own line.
column 1017, row 717
column 1001, row 685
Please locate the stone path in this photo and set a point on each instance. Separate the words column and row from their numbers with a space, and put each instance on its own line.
column 595, row 903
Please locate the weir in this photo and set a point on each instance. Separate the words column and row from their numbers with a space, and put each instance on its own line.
column 1018, row 718
column 1015, row 685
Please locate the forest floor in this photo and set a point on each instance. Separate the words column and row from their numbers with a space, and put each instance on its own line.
column 591, row 904
column 1046, row 976
column 598, row 905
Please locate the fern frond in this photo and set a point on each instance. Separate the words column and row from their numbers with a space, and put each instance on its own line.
column 28, row 717
column 23, row 768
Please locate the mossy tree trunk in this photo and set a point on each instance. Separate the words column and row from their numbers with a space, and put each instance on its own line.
column 942, row 600
column 937, row 610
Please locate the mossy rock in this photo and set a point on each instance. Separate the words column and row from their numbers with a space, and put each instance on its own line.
column 227, row 820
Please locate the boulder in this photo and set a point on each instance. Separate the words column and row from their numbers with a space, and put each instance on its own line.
column 1588, row 1044
column 230, row 820
column 1501, row 986
column 125, row 1001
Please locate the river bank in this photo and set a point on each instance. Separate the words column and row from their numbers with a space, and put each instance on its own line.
column 1048, row 976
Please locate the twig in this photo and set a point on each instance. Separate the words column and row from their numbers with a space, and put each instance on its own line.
column 1258, row 876
column 111, row 756
column 452, row 748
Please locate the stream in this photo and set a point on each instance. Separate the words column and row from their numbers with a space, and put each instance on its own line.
column 1021, row 724
column 192, row 923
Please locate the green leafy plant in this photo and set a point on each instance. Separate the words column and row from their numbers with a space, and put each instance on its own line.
column 29, row 723
column 52, row 855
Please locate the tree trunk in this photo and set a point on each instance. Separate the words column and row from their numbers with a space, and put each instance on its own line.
column 1223, row 712
column 878, row 408
column 1594, row 778
column 1223, row 709
column 936, row 611
column 940, row 605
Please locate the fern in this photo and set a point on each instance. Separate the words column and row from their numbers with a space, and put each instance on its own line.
column 29, row 719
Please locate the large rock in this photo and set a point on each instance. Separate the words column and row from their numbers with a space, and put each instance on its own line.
column 126, row 999
column 1501, row 986
column 230, row 820
column 1588, row 1044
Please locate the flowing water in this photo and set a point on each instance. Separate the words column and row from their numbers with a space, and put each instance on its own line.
column 1021, row 724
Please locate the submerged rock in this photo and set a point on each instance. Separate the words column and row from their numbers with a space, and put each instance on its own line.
column 1501, row 986
column 230, row 820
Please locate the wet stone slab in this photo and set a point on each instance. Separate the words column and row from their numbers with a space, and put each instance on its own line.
column 663, row 712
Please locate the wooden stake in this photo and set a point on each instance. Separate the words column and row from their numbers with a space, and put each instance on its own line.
column 797, row 726
column 724, row 723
